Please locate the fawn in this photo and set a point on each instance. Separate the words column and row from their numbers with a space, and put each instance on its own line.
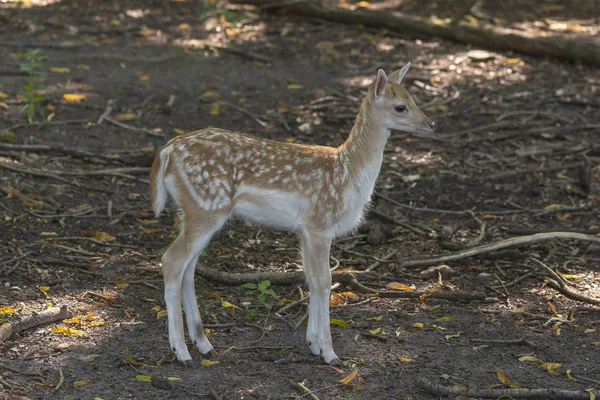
column 318, row 192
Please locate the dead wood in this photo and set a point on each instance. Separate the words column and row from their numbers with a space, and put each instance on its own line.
column 502, row 244
column 468, row 391
column 31, row 321
column 459, row 31
column 573, row 295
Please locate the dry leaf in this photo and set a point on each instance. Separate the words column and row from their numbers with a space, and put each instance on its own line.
column 208, row 363
column 65, row 330
column 60, row 70
column 82, row 67
column 504, row 379
column 131, row 360
column 376, row 331
column 125, row 116
column 7, row 310
column 77, row 384
column 161, row 314
column 295, row 86
column 512, row 60
column 183, row 27
column 99, row 235
column 531, row 358
column 338, row 322
column 215, row 108
column 209, row 94
column 129, row 311
column 44, row 288
column 74, row 97
column 405, row 359
column 399, row 286
column 348, row 378
column 336, row 299
column 3, row 95
column 418, row 325
column 178, row 131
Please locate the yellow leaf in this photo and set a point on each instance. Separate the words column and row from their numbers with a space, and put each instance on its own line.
column 503, row 378
column 377, row 318
column 568, row 276
column 227, row 304
column 364, row 4
column 156, row 308
column 178, row 131
column 143, row 378
column 338, row 322
column 129, row 311
column 65, row 330
column 418, row 325
column 99, row 235
column 348, row 294
column 125, row 116
column 143, row 76
column 49, row 234
column 77, row 384
column 281, row 106
column 82, row 67
column 75, row 320
column 7, row 310
column 531, row 358
column 209, row 94
column 295, row 86
column 405, row 359
column 183, row 27
column 399, row 286
column 448, row 337
column 131, row 360
column 215, row 108
column 570, row 376
column 208, row 363
column 3, row 95
column 336, row 299
column 161, row 314
column 74, row 97
column 556, row 330
column 491, row 216
column 122, row 285
column 512, row 60
column 552, row 308
column 60, row 70
column 549, row 366
column 375, row 331
column 44, row 288
column 555, row 207
column 562, row 217
column 290, row 140
column 348, row 378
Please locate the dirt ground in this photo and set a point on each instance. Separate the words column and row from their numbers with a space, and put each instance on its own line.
column 516, row 153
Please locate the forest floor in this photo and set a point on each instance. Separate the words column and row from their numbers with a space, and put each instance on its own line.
column 516, row 153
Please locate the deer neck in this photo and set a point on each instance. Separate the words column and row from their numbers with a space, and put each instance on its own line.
column 362, row 153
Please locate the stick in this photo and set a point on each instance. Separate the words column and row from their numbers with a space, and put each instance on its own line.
column 468, row 391
column 133, row 128
column 107, row 112
column 570, row 293
column 303, row 389
column 31, row 321
column 515, row 241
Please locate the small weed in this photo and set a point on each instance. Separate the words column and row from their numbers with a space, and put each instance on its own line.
column 34, row 62
column 264, row 294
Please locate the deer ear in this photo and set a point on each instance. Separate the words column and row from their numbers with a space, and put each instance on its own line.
column 402, row 72
column 380, row 84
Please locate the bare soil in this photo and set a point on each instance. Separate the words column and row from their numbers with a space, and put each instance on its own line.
column 516, row 151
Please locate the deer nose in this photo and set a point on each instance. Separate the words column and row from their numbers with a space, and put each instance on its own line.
column 431, row 124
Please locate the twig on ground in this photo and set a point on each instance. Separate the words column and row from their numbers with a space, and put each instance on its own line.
column 504, row 341
column 305, row 391
column 469, row 391
column 46, row 175
column 61, row 380
column 243, row 53
column 400, row 223
column 512, row 173
column 133, row 128
column 570, row 293
column 386, row 257
column 549, row 271
column 245, row 112
column 214, row 395
column 109, row 108
column 502, row 244
column 31, row 321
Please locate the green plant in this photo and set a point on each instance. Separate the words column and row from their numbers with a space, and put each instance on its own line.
column 34, row 62
column 264, row 294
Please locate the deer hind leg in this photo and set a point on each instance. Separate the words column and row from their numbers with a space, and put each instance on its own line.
column 190, row 304
column 182, row 253
column 315, row 254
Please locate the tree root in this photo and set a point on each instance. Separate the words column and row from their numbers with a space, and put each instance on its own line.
column 502, row 244
column 31, row 321
column 459, row 31
column 521, row 393
column 348, row 278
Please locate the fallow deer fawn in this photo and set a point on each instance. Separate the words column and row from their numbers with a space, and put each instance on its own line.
column 318, row 192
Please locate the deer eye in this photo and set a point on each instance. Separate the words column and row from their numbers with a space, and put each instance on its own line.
column 400, row 108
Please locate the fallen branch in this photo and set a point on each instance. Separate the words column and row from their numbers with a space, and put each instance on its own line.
column 31, row 321
column 305, row 391
column 487, row 248
column 505, row 341
column 468, row 391
column 133, row 128
column 276, row 278
column 109, row 108
column 570, row 293
column 459, row 31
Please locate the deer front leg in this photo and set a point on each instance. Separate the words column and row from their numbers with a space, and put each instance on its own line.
column 315, row 253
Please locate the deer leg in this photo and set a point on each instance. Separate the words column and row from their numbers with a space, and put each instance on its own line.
column 315, row 254
column 190, row 304
column 186, row 248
